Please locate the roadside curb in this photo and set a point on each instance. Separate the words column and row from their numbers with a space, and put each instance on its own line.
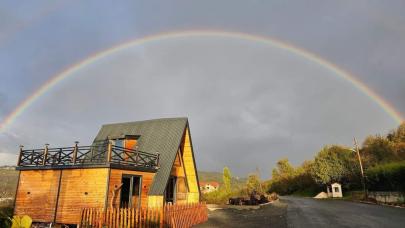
column 213, row 207
column 380, row 204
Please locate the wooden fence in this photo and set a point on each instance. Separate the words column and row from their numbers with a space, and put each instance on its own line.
column 176, row 216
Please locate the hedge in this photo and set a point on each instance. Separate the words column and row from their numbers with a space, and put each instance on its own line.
column 387, row 177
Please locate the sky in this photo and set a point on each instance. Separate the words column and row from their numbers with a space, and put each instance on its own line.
column 249, row 103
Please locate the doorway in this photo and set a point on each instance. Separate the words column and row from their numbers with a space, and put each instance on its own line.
column 170, row 193
column 131, row 191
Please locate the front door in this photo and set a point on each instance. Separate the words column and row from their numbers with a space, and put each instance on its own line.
column 171, row 190
column 131, row 191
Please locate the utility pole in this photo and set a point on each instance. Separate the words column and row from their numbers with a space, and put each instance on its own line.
column 363, row 181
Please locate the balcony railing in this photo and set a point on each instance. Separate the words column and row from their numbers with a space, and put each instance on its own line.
column 101, row 153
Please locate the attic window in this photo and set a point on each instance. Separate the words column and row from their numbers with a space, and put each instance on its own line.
column 127, row 141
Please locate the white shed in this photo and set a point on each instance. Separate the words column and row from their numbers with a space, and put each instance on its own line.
column 336, row 190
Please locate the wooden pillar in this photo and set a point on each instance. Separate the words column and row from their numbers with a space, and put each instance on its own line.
column 157, row 159
column 45, row 154
column 20, row 155
column 75, row 149
column 109, row 151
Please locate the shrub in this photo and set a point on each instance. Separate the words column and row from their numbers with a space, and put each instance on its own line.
column 6, row 213
column 387, row 177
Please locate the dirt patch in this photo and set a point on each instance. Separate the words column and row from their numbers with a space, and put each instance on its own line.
column 271, row 215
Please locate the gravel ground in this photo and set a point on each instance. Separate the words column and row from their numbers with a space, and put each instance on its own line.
column 271, row 215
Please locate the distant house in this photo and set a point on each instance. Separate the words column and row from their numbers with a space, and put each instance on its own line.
column 206, row 187
column 136, row 164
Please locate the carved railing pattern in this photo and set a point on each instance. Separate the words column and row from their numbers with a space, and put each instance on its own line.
column 125, row 156
column 98, row 154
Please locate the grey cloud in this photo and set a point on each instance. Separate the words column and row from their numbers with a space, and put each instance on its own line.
column 249, row 104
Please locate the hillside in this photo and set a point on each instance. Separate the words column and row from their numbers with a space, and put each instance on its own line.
column 8, row 181
column 217, row 176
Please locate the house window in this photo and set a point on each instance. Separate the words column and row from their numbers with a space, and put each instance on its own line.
column 130, row 191
column 128, row 142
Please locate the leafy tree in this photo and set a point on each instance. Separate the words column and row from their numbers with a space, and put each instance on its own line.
column 332, row 163
column 378, row 149
column 284, row 168
column 253, row 184
column 227, row 176
column 397, row 135
column 282, row 178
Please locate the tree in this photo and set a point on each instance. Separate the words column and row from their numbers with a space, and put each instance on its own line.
column 397, row 135
column 332, row 164
column 284, row 168
column 283, row 176
column 227, row 177
column 378, row 149
column 253, row 184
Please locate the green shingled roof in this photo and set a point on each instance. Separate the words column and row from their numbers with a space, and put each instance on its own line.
column 159, row 135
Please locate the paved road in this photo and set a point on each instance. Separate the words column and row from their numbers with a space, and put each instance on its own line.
column 272, row 215
column 307, row 212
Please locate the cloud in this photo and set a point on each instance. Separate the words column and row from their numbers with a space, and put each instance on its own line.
column 248, row 104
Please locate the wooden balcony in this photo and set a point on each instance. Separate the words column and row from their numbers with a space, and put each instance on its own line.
column 101, row 154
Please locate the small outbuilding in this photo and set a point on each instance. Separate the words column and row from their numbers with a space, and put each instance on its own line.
column 335, row 191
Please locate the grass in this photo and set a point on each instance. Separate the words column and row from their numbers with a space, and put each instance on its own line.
column 6, row 213
column 8, row 184
column 305, row 193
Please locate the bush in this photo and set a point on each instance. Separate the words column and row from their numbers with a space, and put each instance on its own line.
column 6, row 213
column 387, row 177
column 216, row 197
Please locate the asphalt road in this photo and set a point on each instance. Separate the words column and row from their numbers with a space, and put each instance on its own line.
column 272, row 215
column 308, row 212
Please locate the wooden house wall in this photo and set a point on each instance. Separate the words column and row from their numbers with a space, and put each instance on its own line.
column 81, row 188
column 190, row 169
column 115, row 180
column 36, row 195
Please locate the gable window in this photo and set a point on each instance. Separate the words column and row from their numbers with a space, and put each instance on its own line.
column 129, row 142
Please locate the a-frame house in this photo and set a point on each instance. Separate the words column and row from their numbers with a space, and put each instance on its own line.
column 135, row 164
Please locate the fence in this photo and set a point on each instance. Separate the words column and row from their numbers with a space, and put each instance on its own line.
column 176, row 216
column 381, row 197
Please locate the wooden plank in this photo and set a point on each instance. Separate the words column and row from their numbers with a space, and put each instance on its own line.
column 190, row 168
column 80, row 188
column 36, row 194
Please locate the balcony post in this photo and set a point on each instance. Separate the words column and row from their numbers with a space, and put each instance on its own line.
column 109, row 151
column 157, row 159
column 45, row 153
column 75, row 149
column 20, row 155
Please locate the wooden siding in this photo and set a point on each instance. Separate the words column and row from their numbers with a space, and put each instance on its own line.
column 190, row 169
column 155, row 201
column 80, row 188
column 36, row 195
column 115, row 180
column 178, row 167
